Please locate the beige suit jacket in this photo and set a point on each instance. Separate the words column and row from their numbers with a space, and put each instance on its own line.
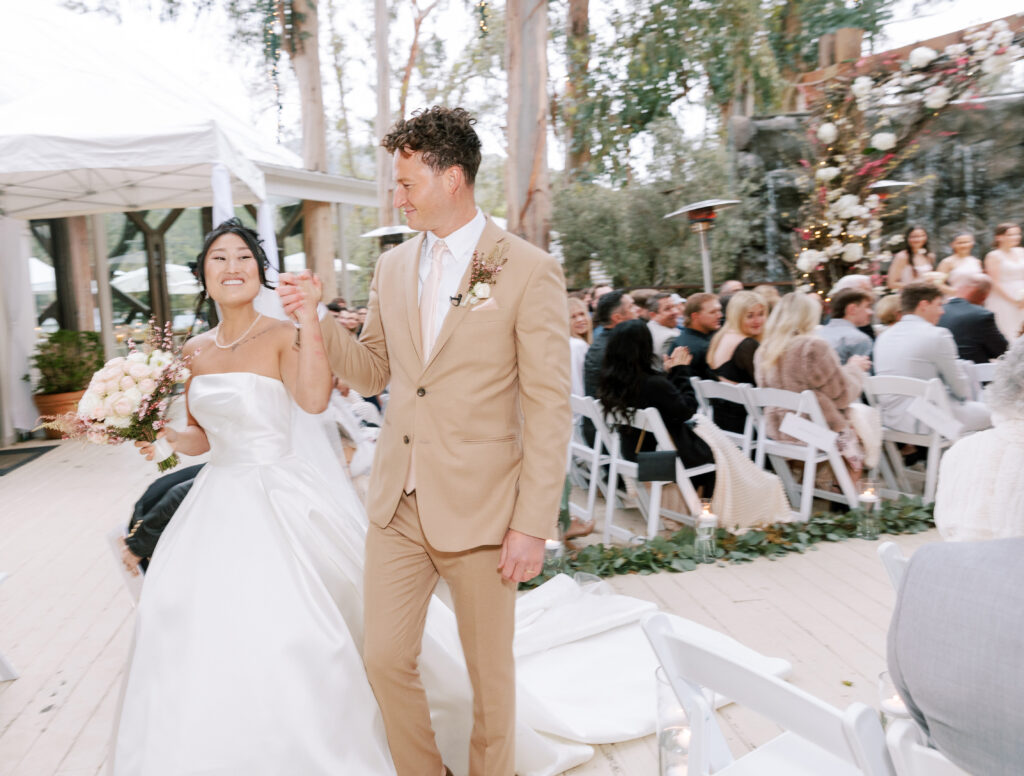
column 487, row 416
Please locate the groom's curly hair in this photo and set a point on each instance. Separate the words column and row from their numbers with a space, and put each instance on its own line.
column 444, row 135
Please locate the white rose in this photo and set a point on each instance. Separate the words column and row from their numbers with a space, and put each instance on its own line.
column 1003, row 38
column 999, row 25
column 834, row 249
column 994, row 65
column 138, row 357
column 922, row 56
column 827, row 133
column 147, row 386
column 936, row 97
column 873, row 201
column 853, row 252
column 861, row 87
column 481, row 290
column 159, row 358
column 134, row 395
column 140, row 371
column 126, row 382
column 116, row 421
column 88, row 403
column 847, row 206
column 809, row 259
column 883, row 141
column 956, row 50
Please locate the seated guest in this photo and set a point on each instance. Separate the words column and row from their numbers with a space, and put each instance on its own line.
column 641, row 298
column 917, row 347
column 859, row 283
column 629, row 382
column 851, row 310
column 731, row 353
column 888, row 312
column 792, row 357
column 981, row 493
column 974, row 329
column 663, row 312
column 771, row 297
column 954, row 647
column 726, row 292
column 613, row 308
column 580, row 332
column 152, row 513
column 703, row 314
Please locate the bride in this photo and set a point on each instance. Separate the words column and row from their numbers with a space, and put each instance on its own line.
column 248, row 632
column 246, row 656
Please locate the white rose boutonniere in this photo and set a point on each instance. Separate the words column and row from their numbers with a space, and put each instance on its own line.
column 484, row 272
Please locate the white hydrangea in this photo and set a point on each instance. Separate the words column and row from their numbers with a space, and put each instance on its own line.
column 834, row 249
column 827, row 133
column 809, row 259
column 1003, row 37
column 996, row 65
column 862, row 87
column 883, row 141
column 848, row 206
column 956, row 50
column 826, row 174
column 853, row 252
column 922, row 56
column 872, row 201
column 937, row 96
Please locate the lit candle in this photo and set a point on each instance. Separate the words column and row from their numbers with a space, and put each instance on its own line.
column 894, row 706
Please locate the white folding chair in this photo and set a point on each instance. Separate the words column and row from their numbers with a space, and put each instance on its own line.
column 931, row 408
column 649, row 420
column 586, row 462
column 895, row 562
column 973, row 383
column 7, row 671
column 805, row 422
column 709, row 390
column 911, row 755
column 819, row 738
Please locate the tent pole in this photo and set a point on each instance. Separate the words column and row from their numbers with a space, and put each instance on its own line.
column 103, row 298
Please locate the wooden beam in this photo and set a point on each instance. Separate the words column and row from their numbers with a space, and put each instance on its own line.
column 156, row 258
column 80, row 264
column 104, row 301
column 60, row 245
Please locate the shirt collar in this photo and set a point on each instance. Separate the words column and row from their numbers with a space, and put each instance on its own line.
column 463, row 240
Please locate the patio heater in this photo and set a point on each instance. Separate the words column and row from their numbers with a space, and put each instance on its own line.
column 389, row 236
column 702, row 219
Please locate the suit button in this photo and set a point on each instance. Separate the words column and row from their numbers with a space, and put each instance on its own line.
column 421, row 391
column 406, row 439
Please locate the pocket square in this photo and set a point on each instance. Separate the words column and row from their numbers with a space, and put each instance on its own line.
column 487, row 304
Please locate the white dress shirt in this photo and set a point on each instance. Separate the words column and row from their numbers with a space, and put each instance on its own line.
column 461, row 243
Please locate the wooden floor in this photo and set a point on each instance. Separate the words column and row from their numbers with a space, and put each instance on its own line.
column 66, row 619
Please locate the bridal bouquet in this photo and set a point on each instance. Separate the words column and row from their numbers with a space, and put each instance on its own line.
column 128, row 399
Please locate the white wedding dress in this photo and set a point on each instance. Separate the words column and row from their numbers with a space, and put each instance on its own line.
column 246, row 659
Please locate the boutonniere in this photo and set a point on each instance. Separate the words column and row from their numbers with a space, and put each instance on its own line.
column 484, row 272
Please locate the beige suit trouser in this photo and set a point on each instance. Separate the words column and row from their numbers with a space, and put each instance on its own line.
column 402, row 570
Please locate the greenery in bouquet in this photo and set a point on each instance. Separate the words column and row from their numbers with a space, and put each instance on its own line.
column 129, row 397
column 863, row 125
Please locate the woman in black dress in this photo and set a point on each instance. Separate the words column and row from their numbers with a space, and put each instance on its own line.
column 628, row 382
column 731, row 353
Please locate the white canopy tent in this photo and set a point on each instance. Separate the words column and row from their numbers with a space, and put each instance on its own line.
column 103, row 122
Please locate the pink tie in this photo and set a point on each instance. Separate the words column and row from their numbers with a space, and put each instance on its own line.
column 428, row 300
column 428, row 323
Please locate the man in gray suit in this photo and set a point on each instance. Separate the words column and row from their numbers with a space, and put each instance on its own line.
column 955, row 643
column 917, row 347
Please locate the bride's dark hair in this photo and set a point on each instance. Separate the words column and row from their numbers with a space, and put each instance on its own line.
column 252, row 241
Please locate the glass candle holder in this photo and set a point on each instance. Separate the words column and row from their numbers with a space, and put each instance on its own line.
column 867, row 516
column 673, row 730
column 891, row 703
column 704, row 541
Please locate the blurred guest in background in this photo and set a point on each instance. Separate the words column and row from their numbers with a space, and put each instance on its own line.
column 851, row 310
column 664, row 311
column 1005, row 265
column 888, row 312
column 914, row 262
column 580, row 332
column 961, row 261
column 771, row 296
column 974, row 329
column 703, row 314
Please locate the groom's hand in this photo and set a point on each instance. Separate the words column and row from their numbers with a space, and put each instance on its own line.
column 522, row 556
column 296, row 289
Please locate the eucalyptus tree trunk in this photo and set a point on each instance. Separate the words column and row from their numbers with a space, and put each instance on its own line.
column 527, row 188
column 385, row 188
column 577, row 144
column 304, row 53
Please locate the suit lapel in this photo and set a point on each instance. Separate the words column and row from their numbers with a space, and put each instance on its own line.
column 488, row 239
column 411, row 279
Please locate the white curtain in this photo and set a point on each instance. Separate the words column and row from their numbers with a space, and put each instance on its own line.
column 17, row 411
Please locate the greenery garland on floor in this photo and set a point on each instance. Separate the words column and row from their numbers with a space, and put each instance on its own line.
column 675, row 553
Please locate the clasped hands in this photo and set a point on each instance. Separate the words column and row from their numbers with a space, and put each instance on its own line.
column 299, row 293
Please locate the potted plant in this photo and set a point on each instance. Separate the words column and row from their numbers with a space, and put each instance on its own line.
column 66, row 362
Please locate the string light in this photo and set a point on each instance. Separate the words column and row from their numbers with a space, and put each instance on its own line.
column 483, row 11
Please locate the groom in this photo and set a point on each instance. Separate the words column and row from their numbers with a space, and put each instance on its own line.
column 468, row 325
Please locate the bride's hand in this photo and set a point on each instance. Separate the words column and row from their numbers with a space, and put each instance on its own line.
column 310, row 290
column 146, row 448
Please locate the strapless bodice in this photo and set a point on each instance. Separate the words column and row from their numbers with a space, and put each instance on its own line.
column 247, row 417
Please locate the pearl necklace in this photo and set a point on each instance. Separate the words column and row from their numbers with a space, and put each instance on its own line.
column 232, row 344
